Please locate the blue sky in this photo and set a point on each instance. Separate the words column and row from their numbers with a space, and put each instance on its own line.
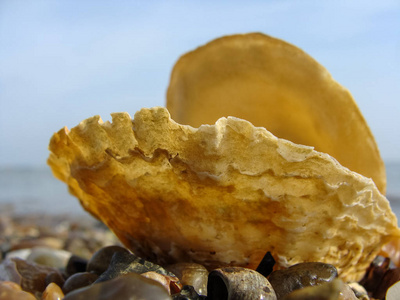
column 64, row 61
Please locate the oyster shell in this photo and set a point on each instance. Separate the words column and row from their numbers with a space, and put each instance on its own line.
column 221, row 194
column 278, row 86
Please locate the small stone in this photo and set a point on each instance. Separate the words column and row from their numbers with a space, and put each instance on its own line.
column 20, row 253
column 390, row 277
column 191, row 274
column 129, row 286
column 78, row 280
column 232, row 283
column 300, row 276
column 188, row 293
column 46, row 242
column 171, row 284
column 346, row 292
column 126, row 262
column 78, row 246
column 334, row 290
column 358, row 290
column 55, row 277
column 266, row 265
column 11, row 290
column 374, row 273
column 52, row 292
column 101, row 259
column 49, row 257
column 31, row 276
column 9, row 272
column 393, row 292
column 10, row 285
column 76, row 264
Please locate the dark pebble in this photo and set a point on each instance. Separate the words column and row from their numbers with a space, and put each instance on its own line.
column 301, row 275
column 125, row 262
column 373, row 278
column 31, row 276
column 78, row 280
column 76, row 264
column 390, row 278
column 56, row 278
column 130, row 286
column 101, row 259
column 266, row 265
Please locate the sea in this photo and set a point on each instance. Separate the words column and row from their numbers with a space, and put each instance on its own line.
column 37, row 191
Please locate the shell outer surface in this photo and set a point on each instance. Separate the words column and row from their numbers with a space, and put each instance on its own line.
column 221, row 194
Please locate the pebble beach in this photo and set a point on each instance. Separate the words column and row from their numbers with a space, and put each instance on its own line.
column 58, row 251
column 66, row 257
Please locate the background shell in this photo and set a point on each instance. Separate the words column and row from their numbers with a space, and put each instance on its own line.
column 278, row 86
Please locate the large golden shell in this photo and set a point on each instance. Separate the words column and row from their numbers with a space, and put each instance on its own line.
column 275, row 85
column 221, row 194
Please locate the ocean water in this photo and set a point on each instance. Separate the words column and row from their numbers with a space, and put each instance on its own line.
column 393, row 187
column 35, row 190
column 29, row 190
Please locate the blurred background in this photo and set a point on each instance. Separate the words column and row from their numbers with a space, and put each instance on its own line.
column 64, row 61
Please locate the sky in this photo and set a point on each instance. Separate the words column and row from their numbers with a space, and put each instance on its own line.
column 64, row 61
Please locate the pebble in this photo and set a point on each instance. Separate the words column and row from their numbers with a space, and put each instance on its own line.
column 42, row 255
column 31, row 276
column 171, row 284
column 393, row 292
column 375, row 273
column 85, row 242
column 52, row 292
column 381, row 274
column 11, row 290
column 9, row 272
column 55, row 277
column 49, row 257
column 101, row 259
column 76, row 264
column 191, row 274
column 233, row 283
column 78, row 280
column 34, row 265
column 390, row 277
column 21, row 253
column 300, row 276
column 123, row 263
column 75, row 234
column 359, row 290
column 45, row 242
column 334, row 290
column 79, row 247
column 130, row 286
column 265, row 267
